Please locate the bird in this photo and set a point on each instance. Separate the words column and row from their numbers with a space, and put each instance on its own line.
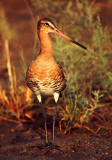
column 44, row 76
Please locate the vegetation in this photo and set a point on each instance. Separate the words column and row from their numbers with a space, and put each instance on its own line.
column 88, row 72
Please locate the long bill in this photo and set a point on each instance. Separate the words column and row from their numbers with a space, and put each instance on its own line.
column 56, row 31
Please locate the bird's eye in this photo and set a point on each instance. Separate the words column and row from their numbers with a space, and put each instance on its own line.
column 47, row 24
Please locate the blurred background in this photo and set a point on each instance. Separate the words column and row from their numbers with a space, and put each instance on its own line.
column 89, row 92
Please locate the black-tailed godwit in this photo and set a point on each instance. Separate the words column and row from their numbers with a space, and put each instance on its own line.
column 45, row 77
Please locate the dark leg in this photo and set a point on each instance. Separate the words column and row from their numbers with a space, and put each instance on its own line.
column 54, row 119
column 53, row 133
column 44, row 114
column 46, row 140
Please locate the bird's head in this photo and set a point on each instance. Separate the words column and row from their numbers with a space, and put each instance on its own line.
column 47, row 25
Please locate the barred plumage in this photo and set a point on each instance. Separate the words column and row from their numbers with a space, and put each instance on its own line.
column 54, row 80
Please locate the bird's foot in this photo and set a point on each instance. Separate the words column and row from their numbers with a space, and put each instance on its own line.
column 52, row 146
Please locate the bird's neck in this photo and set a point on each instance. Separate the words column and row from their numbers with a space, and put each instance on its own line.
column 46, row 44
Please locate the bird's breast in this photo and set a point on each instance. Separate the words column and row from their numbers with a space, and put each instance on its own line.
column 45, row 78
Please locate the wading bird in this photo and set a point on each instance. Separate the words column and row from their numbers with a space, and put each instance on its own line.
column 45, row 77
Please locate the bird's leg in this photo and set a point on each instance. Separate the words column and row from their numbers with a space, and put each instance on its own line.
column 54, row 119
column 46, row 140
column 56, row 96
column 44, row 115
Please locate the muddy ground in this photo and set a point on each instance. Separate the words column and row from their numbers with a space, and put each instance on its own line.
column 18, row 140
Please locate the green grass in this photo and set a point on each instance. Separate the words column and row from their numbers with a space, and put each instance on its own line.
column 88, row 72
